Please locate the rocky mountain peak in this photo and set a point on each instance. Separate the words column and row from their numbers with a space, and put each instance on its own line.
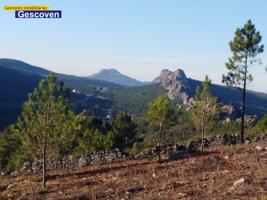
column 176, row 84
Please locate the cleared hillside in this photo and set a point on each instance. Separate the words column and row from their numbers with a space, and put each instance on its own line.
column 235, row 172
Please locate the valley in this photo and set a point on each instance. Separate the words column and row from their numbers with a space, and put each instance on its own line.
column 101, row 97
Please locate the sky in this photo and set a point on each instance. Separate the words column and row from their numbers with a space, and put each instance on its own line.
column 137, row 37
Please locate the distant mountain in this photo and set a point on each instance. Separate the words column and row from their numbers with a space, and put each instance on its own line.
column 18, row 79
column 81, row 84
column 23, row 67
column 100, row 98
column 15, row 85
column 114, row 76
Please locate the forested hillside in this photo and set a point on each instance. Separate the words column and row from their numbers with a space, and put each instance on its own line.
column 256, row 101
column 14, row 89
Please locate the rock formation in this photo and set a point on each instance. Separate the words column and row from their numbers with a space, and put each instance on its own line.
column 176, row 84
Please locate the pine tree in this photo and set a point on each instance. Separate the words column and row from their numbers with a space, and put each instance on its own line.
column 48, row 126
column 102, row 141
column 245, row 48
column 204, row 109
column 96, row 136
column 158, row 115
column 124, row 131
column 10, row 142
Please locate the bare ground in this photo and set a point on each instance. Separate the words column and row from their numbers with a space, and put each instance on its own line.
column 210, row 175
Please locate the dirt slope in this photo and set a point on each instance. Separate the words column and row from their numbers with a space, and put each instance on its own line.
column 208, row 176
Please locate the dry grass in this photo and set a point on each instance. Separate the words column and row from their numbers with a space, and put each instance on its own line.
column 207, row 176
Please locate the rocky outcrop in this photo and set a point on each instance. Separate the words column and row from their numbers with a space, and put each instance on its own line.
column 181, row 90
column 228, row 112
column 176, row 84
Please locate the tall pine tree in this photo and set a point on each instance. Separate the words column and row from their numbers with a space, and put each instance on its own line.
column 245, row 48
column 124, row 132
column 48, row 126
column 204, row 109
column 158, row 115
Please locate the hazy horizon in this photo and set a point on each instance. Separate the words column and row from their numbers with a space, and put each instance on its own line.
column 137, row 38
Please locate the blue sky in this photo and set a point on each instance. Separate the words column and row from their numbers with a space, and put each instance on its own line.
column 137, row 37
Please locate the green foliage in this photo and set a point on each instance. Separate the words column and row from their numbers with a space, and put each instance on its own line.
column 47, row 123
column 10, row 142
column 204, row 108
column 134, row 100
column 159, row 111
column 124, row 132
column 48, row 127
column 261, row 126
column 137, row 148
column 102, row 141
column 95, row 136
column 221, row 128
column 245, row 48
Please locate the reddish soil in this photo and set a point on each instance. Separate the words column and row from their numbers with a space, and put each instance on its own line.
column 210, row 175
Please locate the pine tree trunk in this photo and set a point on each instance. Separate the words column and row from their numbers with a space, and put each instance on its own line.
column 242, row 131
column 44, row 166
column 159, row 147
column 45, row 141
column 203, row 125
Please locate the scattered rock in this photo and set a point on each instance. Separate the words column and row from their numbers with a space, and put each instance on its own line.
column 259, row 148
column 83, row 197
column 237, row 183
column 192, row 146
column 175, row 155
column 26, row 167
column 83, row 161
column 2, row 174
column 15, row 173
column 182, row 194
column 230, row 139
column 135, row 189
column 12, row 185
column 240, row 181
column 247, row 141
column 226, row 157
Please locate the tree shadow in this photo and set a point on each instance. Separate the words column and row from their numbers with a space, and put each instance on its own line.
column 102, row 169
column 105, row 168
